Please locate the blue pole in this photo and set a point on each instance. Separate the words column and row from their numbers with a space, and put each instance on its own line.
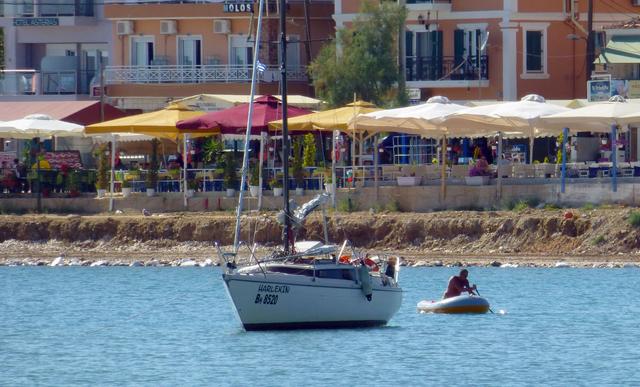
column 565, row 134
column 614, row 157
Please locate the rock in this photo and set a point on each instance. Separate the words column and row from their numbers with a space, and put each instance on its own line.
column 438, row 263
column 98, row 263
column 57, row 261
column 206, row 263
column 188, row 263
column 74, row 262
column 135, row 264
column 562, row 264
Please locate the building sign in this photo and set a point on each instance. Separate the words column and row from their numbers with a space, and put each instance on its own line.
column 599, row 90
column 238, row 6
column 36, row 21
column 414, row 94
column 634, row 88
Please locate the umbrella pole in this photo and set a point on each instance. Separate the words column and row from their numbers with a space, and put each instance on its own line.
column 563, row 175
column 113, row 165
column 333, row 167
column 531, row 141
column 443, row 170
column 39, row 197
column 184, row 170
column 263, row 137
column 614, row 158
column 375, row 165
column 498, row 164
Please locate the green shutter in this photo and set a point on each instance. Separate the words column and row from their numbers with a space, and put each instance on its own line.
column 458, row 47
column 534, row 51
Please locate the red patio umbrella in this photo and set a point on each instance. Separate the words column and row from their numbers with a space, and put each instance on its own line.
column 234, row 120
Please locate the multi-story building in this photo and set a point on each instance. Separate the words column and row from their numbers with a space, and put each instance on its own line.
column 499, row 49
column 166, row 50
column 52, row 47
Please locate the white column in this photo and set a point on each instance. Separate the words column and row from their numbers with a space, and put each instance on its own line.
column 509, row 52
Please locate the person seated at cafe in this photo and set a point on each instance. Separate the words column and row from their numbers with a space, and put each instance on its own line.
column 481, row 168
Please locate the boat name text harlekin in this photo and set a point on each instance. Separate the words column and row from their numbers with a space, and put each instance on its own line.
column 273, row 288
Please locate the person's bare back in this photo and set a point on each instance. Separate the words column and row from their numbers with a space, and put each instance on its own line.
column 458, row 284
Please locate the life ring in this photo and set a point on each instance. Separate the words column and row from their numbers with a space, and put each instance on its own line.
column 345, row 259
column 373, row 266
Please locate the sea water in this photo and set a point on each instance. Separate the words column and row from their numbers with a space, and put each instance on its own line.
column 175, row 326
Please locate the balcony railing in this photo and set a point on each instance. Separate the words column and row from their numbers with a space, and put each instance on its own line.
column 32, row 82
column 195, row 74
column 48, row 8
column 447, row 68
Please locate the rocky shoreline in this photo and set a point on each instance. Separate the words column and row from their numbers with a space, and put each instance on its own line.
column 584, row 237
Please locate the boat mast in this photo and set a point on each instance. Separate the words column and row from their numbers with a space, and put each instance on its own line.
column 245, row 157
column 285, row 127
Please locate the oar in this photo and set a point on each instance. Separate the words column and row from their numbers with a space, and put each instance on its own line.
column 476, row 289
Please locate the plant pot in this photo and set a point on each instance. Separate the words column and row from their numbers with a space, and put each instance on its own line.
column 254, row 190
column 329, row 188
column 126, row 191
column 191, row 193
column 277, row 191
column 101, row 193
column 476, row 180
column 151, row 192
column 408, row 180
column 299, row 191
column 231, row 192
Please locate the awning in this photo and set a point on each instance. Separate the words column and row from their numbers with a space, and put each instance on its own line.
column 621, row 49
column 78, row 112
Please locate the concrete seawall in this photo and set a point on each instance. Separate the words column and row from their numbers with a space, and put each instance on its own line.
column 414, row 199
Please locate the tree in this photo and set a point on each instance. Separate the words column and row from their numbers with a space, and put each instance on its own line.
column 367, row 61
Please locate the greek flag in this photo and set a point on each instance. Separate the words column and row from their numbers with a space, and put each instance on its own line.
column 260, row 66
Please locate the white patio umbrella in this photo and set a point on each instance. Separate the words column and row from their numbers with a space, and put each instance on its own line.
column 39, row 125
column 515, row 119
column 424, row 119
column 604, row 117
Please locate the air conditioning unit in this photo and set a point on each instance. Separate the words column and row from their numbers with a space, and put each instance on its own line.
column 168, row 27
column 124, row 27
column 635, row 2
column 221, row 26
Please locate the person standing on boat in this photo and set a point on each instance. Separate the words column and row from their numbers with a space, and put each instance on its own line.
column 459, row 284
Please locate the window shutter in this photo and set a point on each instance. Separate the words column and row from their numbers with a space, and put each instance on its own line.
column 534, row 51
column 458, row 47
column 408, row 43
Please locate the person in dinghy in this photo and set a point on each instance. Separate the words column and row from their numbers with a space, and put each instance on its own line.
column 458, row 284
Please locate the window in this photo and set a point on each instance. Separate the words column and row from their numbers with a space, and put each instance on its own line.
column 141, row 50
column 423, row 59
column 189, row 52
column 534, row 53
column 240, row 50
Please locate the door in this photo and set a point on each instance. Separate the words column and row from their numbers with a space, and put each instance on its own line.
column 189, row 51
column 141, row 50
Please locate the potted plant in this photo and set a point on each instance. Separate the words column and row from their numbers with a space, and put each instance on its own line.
column 125, row 187
column 327, row 177
column 152, row 174
column 72, row 184
column 254, row 181
column 212, row 151
column 297, row 169
column 102, row 170
column 192, row 186
column 276, row 184
column 230, row 179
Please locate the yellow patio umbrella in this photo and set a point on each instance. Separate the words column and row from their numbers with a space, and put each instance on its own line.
column 328, row 120
column 160, row 124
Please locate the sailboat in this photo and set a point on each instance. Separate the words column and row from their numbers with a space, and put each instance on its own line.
column 305, row 284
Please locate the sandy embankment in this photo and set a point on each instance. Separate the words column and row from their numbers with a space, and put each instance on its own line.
column 539, row 237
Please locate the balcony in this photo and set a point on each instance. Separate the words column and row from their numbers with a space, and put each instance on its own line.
column 167, row 74
column 447, row 68
column 48, row 8
column 429, row 5
column 32, row 82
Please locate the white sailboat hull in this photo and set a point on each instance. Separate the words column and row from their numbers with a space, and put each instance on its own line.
column 281, row 301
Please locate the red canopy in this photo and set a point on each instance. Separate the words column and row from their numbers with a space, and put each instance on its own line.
column 234, row 120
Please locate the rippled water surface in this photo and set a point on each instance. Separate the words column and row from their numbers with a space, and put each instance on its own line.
column 175, row 326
